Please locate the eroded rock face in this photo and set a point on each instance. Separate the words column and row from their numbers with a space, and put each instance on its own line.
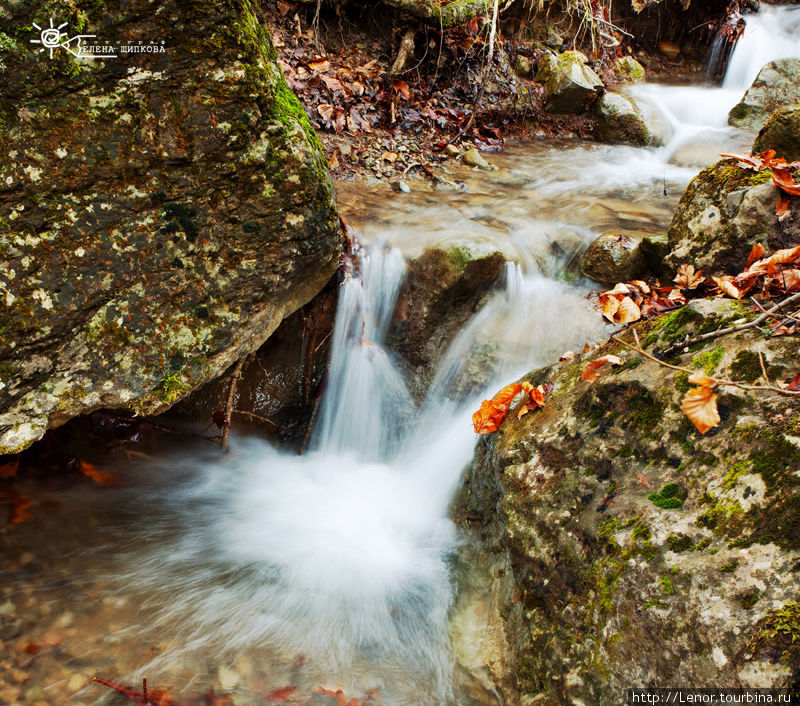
column 723, row 213
column 443, row 288
column 781, row 133
column 160, row 213
column 642, row 552
column 571, row 85
column 777, row 85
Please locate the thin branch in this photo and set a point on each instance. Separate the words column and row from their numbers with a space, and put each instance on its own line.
column 237, row 373
column 257, row 417
column 763, row 369
column 680, row 347
column 716, row 381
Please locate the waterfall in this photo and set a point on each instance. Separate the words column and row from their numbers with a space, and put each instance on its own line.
column 773, row 33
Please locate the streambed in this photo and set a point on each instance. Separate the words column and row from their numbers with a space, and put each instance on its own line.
column 262, row 570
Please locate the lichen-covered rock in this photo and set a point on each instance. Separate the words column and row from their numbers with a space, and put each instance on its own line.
column 781, row 133
column 723, row 213
column 777, row 85
column 620, row 121
column 443, row 288
column 642, row 552
column 630, row 70
column 621, row 257
column 570, row 84
column 160, row 212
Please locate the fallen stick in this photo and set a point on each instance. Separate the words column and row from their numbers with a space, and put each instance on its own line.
column 679, row 347
column 235, row 376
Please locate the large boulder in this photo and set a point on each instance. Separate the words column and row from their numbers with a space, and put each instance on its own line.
column 443, row 289
column 777, row 85
column 724, row 212
column 624, row 548
column 570, row 84
column 621, row 121
column 781, row 133
column 161, row 212
column 621, row 257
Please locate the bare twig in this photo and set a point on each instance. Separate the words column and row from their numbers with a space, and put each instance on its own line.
column 680, row 347
column 715, row 381
column 763, row 369
column 257, row 417
column 235, row 376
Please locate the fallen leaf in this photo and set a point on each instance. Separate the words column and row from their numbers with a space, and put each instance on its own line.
column 402, row 89
column 320, row 65
column 492, row 412
column 688, row 277
column 592, row 371
column 389, row 157
column 610, row 308
column 782, row 209
column 780, row 257
column 700, row 403
column 794, row 385
column 629, row 311
column 641, row 478
column 568, row 355
column 755, row 254
column 784, row 180
column 728, row 287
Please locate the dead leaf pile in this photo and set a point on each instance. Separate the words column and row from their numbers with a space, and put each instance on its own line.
column 492, row 412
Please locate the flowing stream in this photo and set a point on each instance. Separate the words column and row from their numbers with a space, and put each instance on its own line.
column 262, row 569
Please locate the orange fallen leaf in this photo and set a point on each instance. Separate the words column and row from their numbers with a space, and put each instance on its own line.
column 592, row 371
column 784, row 180
column 536, row 396
column 700, row 403
column 610, row 308
column 779, row 257
column 320, row 65
column 492, row 412
column 782, row 208
column 755, row 254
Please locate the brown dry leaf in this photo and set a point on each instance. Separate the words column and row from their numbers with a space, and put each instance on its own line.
column 389, row 157
column 325, row 110
column 728, row 287
column 320, row 65
column 700, row 403
column 536, row 396
column 779, row 257
column 332, row 84
column 592, row 371
column 788, row 280
column 402, row 89
column 755, row 254
column 628, row 311
column 688, row 277
column 610, row 308
column 568, row 355
column 784, row 180
column 492, row 412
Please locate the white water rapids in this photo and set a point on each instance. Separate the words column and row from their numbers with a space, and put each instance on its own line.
column 344, row 555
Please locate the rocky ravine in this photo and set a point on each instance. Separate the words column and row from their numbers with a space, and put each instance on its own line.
column 624, row 548
column 160, row 213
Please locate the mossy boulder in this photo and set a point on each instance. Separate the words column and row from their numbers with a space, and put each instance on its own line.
column 571, row 85
column 162, row 212
column 781, row 133
column 777, row 85
column 630, row 70
column 621, row 257
column 724, row 212
column 443, row 288
column 625, row 548
column 621, row 121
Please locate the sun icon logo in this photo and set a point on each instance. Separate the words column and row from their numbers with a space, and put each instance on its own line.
column 49, row 37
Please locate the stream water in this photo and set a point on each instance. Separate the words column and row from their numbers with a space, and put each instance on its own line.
column 262, row 569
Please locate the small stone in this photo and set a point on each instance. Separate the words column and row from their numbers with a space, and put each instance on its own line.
column 452, row 151
column 474, row 159
column 345, row 150
column 228, row 678
column 401, row 186
column 7, row 608
column 522, row 66
column 76, row 682
column 65, row 620
column 669, row 49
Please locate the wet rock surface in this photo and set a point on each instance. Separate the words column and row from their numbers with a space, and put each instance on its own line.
column 641, row 551
column 777, row 85
column 781, row 133
column 162, row 213
column 723, row 213
column 443, row 288
column 620, row 121
column 571, row 85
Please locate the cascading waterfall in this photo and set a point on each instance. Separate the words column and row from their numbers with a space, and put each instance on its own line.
column 343, row 554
